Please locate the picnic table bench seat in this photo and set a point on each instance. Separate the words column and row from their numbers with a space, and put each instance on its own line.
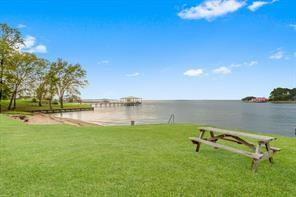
column 231, row 149
column 255, row 152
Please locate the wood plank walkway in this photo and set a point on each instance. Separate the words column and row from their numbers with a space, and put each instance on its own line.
column 51, row 111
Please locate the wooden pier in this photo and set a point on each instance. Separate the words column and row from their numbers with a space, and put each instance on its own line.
column 126, row 101
column 107, row 104
column 51, row 111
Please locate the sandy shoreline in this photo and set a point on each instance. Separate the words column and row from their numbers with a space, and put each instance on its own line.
column 50, row 119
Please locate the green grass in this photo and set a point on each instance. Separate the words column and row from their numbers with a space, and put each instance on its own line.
column 26, row 105
column 151, row 160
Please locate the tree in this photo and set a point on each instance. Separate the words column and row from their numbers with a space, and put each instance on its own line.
column 10, row 40
column 282, row 94
column 69, row 79
column 22, row 75
column 51, row 81
column 293, row 92
column 248, row 98
column 41, row 81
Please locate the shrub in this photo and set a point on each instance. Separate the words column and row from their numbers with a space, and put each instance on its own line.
column 55, row 102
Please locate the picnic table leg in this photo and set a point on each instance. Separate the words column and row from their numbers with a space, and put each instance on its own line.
column 201, row 134
column 197, row 146
column 255, row 162
column 267, row 146
column 213, row 136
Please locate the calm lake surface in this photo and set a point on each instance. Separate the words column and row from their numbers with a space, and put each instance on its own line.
column 261, row 117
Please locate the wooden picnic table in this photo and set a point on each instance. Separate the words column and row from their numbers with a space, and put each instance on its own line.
column 256, row 152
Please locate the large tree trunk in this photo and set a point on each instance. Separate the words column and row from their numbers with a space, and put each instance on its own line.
column 14, row 100
column 10, row 102
column 62, row 102
column 39, row 97
column 50, row 105
column 40, row 102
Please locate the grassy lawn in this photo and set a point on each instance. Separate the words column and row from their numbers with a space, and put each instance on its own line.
column 151, row 160
column 23, row 105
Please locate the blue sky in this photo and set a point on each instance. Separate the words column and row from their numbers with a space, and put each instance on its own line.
column 168, row 49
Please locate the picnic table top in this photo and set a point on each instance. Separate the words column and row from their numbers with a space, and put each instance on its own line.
column 240, row 134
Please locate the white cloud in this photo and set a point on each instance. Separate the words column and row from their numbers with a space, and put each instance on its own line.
column 211, row 9
column 251, row 63
column 37, row 49
column 30, row 46
column 29, row 41
column 277, row 55
column 222, row 70
column 194, row 72
column 21, row 26
column 258, row 4
column 235, row 65
column 103, row 62
column 293, row 26
column 133, row 74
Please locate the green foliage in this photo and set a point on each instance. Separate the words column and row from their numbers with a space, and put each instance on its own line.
column 73, row 99
column 283, row 94
column 69, row 78
column 26, row 75
column 5, row 92
column 150, row 160
column 55, row 102
column 10, row 35
column 21, row 75
column 248, row 98
column 34, row 100
column 10, row 41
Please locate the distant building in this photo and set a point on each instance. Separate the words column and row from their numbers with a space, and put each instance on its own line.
column 294, row 98
column 260, row 100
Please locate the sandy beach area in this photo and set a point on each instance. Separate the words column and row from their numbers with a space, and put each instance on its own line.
column 49, row 119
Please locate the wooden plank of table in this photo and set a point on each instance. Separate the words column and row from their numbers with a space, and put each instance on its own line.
column 241, row 134
column 228, row 148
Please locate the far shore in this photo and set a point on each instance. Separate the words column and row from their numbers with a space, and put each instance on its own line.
column 283, row 102
column 274, row 102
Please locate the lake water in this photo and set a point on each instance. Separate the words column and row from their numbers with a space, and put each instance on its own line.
column 261, row 117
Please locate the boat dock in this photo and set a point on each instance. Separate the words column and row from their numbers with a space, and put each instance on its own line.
column 126, row 101
column 51, row 111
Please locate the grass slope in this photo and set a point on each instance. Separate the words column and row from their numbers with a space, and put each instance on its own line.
column 28, row 105
column 151, row 160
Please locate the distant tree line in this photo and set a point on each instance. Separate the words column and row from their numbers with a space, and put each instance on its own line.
column 283, row 94
column 248, row 98
column 278, row 94
column 26, row 75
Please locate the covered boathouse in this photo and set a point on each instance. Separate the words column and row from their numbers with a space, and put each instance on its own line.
column 131, row 101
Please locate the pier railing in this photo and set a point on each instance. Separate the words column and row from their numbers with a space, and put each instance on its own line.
column 110, row 104
column 51, row 111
